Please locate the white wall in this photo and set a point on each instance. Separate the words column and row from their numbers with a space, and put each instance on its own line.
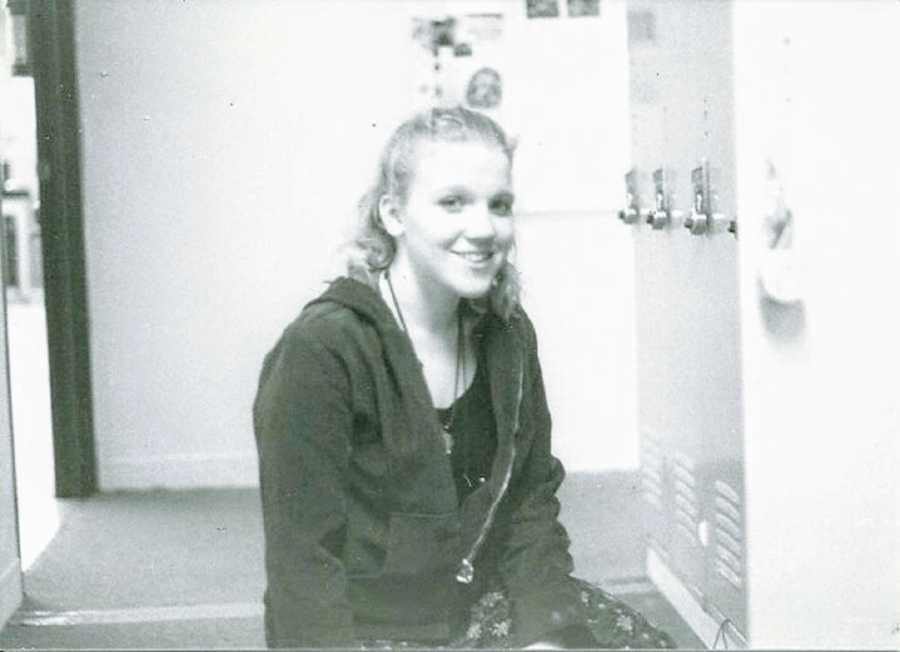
column 225, row 144
column 821, row 406
column 568, row 102
column 579, row 289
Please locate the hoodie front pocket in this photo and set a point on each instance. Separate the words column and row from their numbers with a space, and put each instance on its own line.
column 419, row 543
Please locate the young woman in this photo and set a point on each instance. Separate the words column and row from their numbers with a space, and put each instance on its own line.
column 408, row 486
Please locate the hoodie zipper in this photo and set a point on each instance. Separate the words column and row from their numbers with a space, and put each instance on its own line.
column 465, row 573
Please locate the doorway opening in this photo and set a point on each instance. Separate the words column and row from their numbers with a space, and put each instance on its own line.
column 43, row 267
column 38, row 515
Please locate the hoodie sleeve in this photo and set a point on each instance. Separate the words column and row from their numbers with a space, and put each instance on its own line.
column 535, row 565
column 302, row 423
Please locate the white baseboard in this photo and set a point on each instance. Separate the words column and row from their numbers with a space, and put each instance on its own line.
column 704, row 624
column 10, row 591
column 131, row 615
column 179, row 471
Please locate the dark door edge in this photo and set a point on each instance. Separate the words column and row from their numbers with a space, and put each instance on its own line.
column 52, row 49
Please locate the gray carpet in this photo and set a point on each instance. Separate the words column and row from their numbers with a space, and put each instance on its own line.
column 152, row 549
column 601, row 513
column 243, row 633
column 160, row 549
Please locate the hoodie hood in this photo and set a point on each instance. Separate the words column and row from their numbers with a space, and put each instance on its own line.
column 366, row 301
column 362, row 299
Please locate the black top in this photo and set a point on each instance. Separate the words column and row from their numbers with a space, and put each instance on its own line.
column 474, row 434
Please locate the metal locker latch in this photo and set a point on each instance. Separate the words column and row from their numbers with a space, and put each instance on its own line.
column 631, row 213
column 698, row 221
column 662, row 215
column 702, row 219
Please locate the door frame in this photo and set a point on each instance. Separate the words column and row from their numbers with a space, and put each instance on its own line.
column 52, row 50
column 10, row 576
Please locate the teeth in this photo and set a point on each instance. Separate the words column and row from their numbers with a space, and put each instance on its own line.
column 477, row 257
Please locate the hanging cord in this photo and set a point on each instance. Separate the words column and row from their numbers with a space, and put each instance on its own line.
column 460, row 370
column 387, row 277
column 466, row 443
column 721, row 634
column 460, row 367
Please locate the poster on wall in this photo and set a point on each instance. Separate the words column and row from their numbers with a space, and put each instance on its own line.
column 579, row 8
column 542, row 8
column 459, row 62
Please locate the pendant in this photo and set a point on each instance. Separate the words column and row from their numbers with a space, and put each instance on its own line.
column 448, row 440
column 471, row 482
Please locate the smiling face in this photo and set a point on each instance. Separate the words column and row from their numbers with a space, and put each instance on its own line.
column 456, row 222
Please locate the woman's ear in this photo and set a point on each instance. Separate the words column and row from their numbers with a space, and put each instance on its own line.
column 391, row 215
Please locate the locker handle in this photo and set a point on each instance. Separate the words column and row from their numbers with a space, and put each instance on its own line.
column 698, row 221
column 631, row 214
column 662, row 215
column 702, row 218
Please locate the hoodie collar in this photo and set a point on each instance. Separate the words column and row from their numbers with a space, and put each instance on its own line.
column 500, row 339
column 363, row 299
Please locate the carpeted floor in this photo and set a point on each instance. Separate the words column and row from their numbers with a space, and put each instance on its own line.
column 156, row 548
column 185, row 569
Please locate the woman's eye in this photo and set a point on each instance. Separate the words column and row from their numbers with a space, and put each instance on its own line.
column 501, row 207
column 453, row 203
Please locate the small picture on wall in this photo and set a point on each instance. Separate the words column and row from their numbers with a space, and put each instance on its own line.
column 542, row 8
column 578, row 8
column 485, row 89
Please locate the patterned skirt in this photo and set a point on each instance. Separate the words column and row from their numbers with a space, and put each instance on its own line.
column 613, row 624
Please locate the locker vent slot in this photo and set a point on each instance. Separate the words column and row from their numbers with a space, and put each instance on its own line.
column 652, row 473
column 729, row 543
column 685, row 463
column 725, row 524
column 687, row 505
column 725, row 571
column 686, row 533
column 729, row 534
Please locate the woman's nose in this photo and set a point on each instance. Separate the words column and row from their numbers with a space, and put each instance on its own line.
column 480, row 223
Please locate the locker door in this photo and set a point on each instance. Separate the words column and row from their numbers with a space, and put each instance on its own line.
column 817, row 136
column 681, row 93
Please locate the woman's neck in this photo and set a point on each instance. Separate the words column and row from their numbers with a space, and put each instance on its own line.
column 425, row 307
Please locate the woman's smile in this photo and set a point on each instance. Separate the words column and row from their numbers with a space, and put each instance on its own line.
column 457, row 218
column 477, row 259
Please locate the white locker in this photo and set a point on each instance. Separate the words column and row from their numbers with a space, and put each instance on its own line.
column 767, row 407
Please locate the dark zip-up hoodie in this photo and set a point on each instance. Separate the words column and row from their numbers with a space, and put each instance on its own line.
column 365, row 536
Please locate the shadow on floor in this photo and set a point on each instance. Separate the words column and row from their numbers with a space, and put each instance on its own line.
column 185, row 569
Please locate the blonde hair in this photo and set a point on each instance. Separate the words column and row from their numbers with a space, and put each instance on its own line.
column 372, row 249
